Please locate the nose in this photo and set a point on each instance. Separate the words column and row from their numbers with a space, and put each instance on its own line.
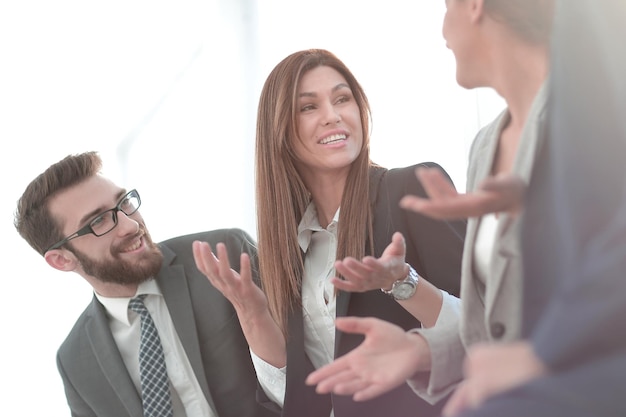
column 331, row 115
column 126, row 225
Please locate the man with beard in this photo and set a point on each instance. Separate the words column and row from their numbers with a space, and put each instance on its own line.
column 80, row 221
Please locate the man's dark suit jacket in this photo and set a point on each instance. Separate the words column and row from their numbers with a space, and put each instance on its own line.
column 95, row 378
column 575, row 226
column 434, row 249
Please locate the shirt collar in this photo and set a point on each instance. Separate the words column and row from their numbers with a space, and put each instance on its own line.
column 309, row 224
column 117, row 307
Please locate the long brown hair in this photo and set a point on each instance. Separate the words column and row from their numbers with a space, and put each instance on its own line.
column 33, row 220
column 281, row 195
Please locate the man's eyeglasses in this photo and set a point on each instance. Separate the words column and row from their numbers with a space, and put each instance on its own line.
column 106, row 221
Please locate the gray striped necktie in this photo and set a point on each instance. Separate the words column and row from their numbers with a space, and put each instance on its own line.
column 155, row 392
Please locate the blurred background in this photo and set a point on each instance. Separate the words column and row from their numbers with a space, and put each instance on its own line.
column 167, row 91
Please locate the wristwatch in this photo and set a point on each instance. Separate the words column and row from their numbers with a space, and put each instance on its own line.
column 403, row 289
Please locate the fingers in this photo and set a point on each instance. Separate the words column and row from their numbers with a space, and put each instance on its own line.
column 508, row 191
column 508, row 182
column 359, row 276
column 350, row 267
column 345, row 285
column 395, row 249
column 217, row 268
column 436, row 185
column 204, row 258
column 329, row 375
column 245, row 270
column 341, row 380
column 443, row 195
column 224, row 263
column 457, row 402
column 398, row 240
column 373, row 273
column 414, row 203
column 352, row 385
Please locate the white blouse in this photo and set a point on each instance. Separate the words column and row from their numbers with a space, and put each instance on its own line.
column 318, row 302
column 483, row 247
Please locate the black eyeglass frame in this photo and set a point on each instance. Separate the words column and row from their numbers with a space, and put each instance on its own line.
column 87, row 229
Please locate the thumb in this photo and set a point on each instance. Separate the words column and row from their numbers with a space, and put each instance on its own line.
column 397, row 247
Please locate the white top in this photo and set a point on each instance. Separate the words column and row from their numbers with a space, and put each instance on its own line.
column 318, row 302
column 484, row 244
column 187, row 397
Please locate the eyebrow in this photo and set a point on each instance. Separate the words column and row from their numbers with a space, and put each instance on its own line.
column 93, row 213
column 334, row 89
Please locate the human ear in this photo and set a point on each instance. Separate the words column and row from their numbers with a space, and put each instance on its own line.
column 477, row 10
column 61, row 259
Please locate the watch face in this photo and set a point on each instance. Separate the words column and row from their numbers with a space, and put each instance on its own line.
column 403, row 290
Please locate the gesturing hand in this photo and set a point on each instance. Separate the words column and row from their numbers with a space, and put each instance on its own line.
column 373, row 273
column 384, row 360
column 491, row 369
column 495, row 194
column 239, row 288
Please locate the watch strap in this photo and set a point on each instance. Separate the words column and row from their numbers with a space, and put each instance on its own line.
column 412, row 278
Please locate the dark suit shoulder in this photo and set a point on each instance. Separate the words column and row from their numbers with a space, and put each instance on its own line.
column 178, row 250
column 404, row 178
column 236, row 240
column 434, row 247
column 213, row 237
column 77, row 341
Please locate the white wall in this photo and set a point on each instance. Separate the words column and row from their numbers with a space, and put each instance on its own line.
column 167, row 92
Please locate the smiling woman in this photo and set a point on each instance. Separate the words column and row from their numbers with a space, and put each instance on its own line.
column 322, row 203
column 330, row 136
column 167, row 92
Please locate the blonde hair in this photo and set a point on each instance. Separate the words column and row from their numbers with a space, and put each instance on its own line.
column 529, row 19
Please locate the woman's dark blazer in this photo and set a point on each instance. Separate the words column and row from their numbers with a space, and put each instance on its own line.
column 434, row 249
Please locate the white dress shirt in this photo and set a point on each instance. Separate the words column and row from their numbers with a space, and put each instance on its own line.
column 187, row 397
column 318, row 302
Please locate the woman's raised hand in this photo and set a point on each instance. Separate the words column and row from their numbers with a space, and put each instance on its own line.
column 373, row 273
column 261, row 331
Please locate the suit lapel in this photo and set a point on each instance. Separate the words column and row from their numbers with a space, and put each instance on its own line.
column 173, row 284
column 506, row 247
column 376, row 175
column 508, row 232
column 110, row 361
column 484, row 156
column 300, row 399
column 343, row 301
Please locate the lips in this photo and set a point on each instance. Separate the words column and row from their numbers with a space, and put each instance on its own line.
column 333, row 138
column 134, row 244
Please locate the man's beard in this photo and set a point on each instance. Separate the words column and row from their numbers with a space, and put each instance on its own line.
column 120, row 271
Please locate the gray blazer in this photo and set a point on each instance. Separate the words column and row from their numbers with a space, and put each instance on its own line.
column 95, row 378
column 489, row 311
column 574, row 238
column 492, row 311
